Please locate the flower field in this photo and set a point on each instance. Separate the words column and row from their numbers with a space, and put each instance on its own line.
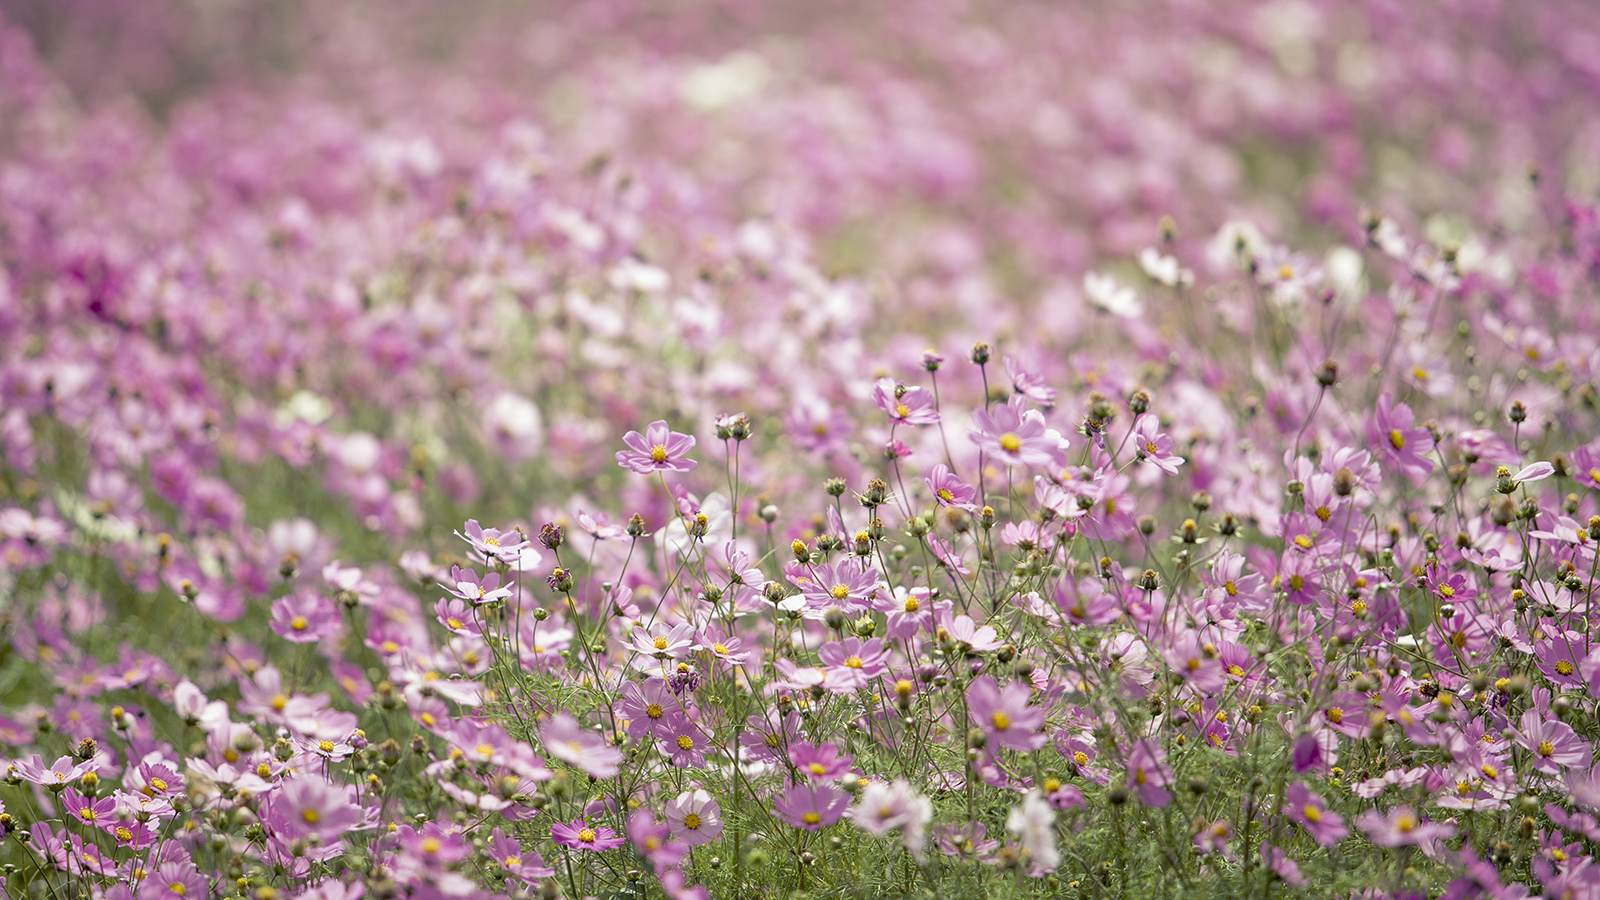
column 737, row 449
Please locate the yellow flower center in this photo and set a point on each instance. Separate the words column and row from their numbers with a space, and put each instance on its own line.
column 299, row 623
column 513, row 862
column 1419, row 373
column 1303, row 541
column 658, row 453
column 327, row 746
column 686, row 743
column 1446, row 591
column 311, row 816
column 1194, row 665
column 1010, row 442
column 818, row 769
column 654, row 711
column 1546, row 748
column 1359, row 608
column 1313, row 815
column 485, row 749
column 691, row 821
column 1297, row 582
column 1001, row 721
column 159, row 784
column 1231, row 588
column 86, row 814
column 719, row 648
column 1398, row 439
column 811, row 818
column 455, row 623
column 1564, row 667
column 1235, row 671
column 279, row 701
column 912, row 605
column 1406, row 823
column 177, row 888
column 839, row 592
column 1335, row 715
column 587, row 835
column 853, row 662
column 946, row 496
column 1081, row 758
column 901, row 410
column 430, row 845
column 661, row 643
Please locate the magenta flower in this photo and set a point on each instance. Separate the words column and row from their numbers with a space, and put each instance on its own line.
column 1325, row 826
column 684, row 744
column 466, row 584
column 1029, row 383
column 1405, row 447
column 905, row 405
column 853, row 661
column 651, row 709
column 659, row 449
column 305, row 617
column 526, row 865
column 1149, row 774
column 1153, row 446
column 571, row 743
column 845, row 584
column 819, row 763
column 950, row 490
column 1401, row 828
column 695, row 817
column 1014, row 435
column 811, row 807
column 580, row 835
column 1195, row 661
column 1004, row 714
column 309, row 806
column 1553, row 743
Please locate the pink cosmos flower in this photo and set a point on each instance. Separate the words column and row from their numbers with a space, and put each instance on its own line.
column 684, row 744
column 695, row 817
column 1403, row 446
column 1004, row 714
column 819, row 763
column 571, row 743
column 905, row 405
column 651, row 708
column 950, row 490
column 527, row 866
column 1325, row 826
column 854, row 660
column 1401, row 827
column 1153, row 446
column 580, row 835
column 845, row 584
column 1014, row 435
column 305, row 617
column 1028, row 383
column 1149, row 774
column 309, row 806
column 811, row 806
column 1195, row 661
column 466, row 584
column 659, row 449
column 1554, row 744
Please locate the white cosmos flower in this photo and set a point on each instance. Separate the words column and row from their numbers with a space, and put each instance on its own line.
column 1119, row 300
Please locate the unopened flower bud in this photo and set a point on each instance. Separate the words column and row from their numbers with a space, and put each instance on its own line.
column 980, row 353
column 550, row 535
column 635, row 525
column 1139, row 402
column 931, row 361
